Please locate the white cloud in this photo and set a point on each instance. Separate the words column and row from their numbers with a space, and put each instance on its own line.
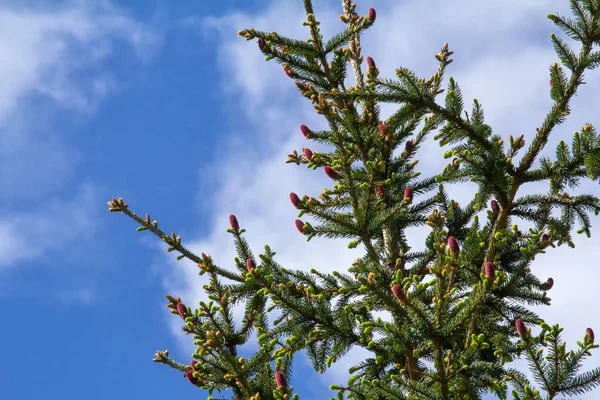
column 502, row 56
column 53, row 58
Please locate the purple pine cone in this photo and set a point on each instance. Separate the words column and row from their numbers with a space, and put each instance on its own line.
column 280, row 380
column 408, row 194
column 370, row 62
column 495, row 207
column 233, row 222
column 453, row 245
column 489, row 269
column 382, row 128
column 308, row 154
column 300, row 225
column 332, row 173
column 409, row 147
column 190, row 377
column 262, row 44
column 250, row 265
column 590, row 334
column 305, row 131
column 182, row 309
column 399, row 293
column 372, row 15
column 520, row 326
column 547, row 285
column 295, row 200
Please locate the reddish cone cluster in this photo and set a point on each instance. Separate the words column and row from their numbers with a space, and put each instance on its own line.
column 250, row 265
column 233, row 222
column 193, row 364
column 495, row 207
column 399, row 293
column 305, row 131
column 547, row 285
column 520, row 326
column 308, row 154
column 382, row 128
column 190, row 377
column 453, row 245
column 589, row 333
column 372, row 15
column 280, row 380
column 262, row 44
column 370, row 62
column 182, row 309
column 379, row 191
column 295, row 200
column 300, row 225
column 332, row 173
column 489, row 269
column 408, row 195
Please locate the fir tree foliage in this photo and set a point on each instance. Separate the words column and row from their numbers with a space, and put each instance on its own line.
column 460, row 308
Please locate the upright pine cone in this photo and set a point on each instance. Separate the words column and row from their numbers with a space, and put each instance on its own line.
column 379, row 190
column 262, row 44
column 399, row 293
column 489, row 269
column 590, row 334
column 332, row 173
column 308, row 154
column 190, row 377
column 233, row 222
column 372, row 15
column 495, row 207
column 295, row 200
column 453, row 245
column 408, row 195
column 182, row 309
column 382, row 128
column 520, row 326
column 409, row 147
column 547, row 285
column 300, row 225
column 250, row 265
column 370, row 62
column 305, row 130
column 280, row 380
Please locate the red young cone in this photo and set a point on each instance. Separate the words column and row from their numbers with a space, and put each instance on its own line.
column 489, row 269
column 520, row 326
column 332, row 173
column 182, row 309
column 190, row 377
column 261, row 44
column 547, row 285
column 370, row 62
column 379, row 190
column 551, row 84
column 399, row 293
column 409, row 147
column 453, row 245
column 308, row 154
column 193, row 364
column 590, row 334
column 300, row 225
column 280, row 380
column 305, row 131
column 382, row 128
column 250, row 265
column 295, row 200
column 408, row 194
column 495, row 206
column 288, row 71
column 372, row 15
column 234, row 222
column 545, row 237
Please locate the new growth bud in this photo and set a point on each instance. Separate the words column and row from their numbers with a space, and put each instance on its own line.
column 305, row 131
column 520, row 326
column 332, row 173
column 280, row 380
column 182, row 309
column 453, row 245
column 295, row 200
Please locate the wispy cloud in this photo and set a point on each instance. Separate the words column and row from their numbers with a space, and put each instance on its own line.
column 53, row 59
column 502, row 56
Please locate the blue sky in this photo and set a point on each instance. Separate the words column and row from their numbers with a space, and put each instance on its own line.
column 162, row 104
